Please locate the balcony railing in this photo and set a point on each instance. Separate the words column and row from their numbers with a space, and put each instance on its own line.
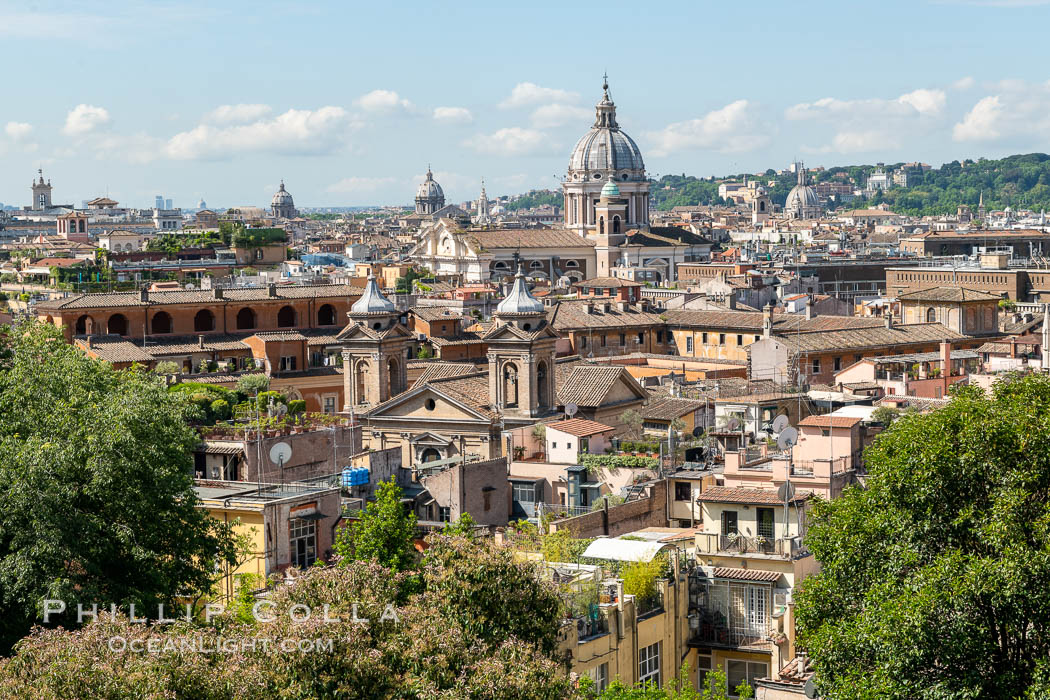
column 715, row 543
column 712, row 629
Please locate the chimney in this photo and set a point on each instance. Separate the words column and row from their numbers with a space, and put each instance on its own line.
column 767, row 320
column 217, row 292
column 272, row 289
column 946, row 360
column 1013, row 347
column 91, row 341
column 809, row 309
column 144, row 295
column 200, row 341
column 731, row 301
column 623, row 306
column 889, row 319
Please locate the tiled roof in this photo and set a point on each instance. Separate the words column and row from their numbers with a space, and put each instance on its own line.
column 872, row 337
column 201, row 296
column 659, row 236
column 829, row 421
column 957, row 294
column 274, row 336
column 606, row 283
column 528, row 238
column 747, row 574
column 588, row 385
column 437, row 313
column 572, row 315
column 461, row 339
column 113, row 348
column 667, row 408
column 727, row 494
column 580, row 427
column 470, row 389
column 757, row 398
column 443, row 370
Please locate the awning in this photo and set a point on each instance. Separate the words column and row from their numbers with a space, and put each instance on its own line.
column 625, row 550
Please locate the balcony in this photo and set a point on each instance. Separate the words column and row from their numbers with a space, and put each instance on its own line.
column 716, row 543
column 730, row 614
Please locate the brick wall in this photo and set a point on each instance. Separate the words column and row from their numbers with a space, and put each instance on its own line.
column 650, row 511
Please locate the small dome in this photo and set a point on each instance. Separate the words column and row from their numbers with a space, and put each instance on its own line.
column 520, row 299
column 429, row 188
column 610, row 190
column 372, row 300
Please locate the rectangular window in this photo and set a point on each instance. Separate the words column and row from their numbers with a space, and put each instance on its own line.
column 603, row 341
column 623, row 339
column 683, row 491
column 739, row 671
column 659, row 336
column 689, row 344
column 600, row 676
column 729, row 526
column 288, row 363
column 703, row 338
column 766, row 520
column 641, row 338
column 740, row 340
column 816, row 365
column 329, row 405
column 721, row 338
column 838, row 363
column 445, row 514
column 303, row 541
column 704, row 665
column 554, row 445
column 524, row 493
column 758, row 338
column 649, row 665
column 583, row 341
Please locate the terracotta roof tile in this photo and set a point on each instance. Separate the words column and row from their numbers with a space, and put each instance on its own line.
column 727, row 494
column 832, row 421
column 580, row 427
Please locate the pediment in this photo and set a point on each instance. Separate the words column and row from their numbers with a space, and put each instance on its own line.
column 414, row 404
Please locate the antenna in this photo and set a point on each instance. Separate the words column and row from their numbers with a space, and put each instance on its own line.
column 571, row 409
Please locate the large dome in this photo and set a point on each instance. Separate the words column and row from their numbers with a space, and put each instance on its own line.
column 281, row 197
column 801, row 196
column 605, row 146
column 429, row 189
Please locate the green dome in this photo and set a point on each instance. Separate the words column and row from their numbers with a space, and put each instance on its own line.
column 610, row 189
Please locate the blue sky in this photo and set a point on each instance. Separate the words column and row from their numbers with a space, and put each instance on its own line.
column 348, row 102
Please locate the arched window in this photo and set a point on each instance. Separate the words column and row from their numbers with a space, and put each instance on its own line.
column 394, row 376
column 84, row 325
column 762, row 206
column 931, row 315
column 360, row 384
column 118, row 324
column 430, row 455
column 161, row 322
column 616, row 224
column 536, row 265
column 542, row 395
column 286, row 317
column 326, row 315
column 204, row 321
column 245, row 319
column 601, row 224
column 510, row 386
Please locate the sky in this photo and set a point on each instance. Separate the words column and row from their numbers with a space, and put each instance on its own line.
column 348, row 102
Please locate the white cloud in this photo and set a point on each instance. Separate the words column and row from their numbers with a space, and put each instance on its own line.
column 83, row 119
column 525, row 94
column 874, row 124
column 511, row 141
column 237, row 114
column 296, row 132
column 382, row 101
column 18, row 131
column 964, row 83
column 453, row 115
column 732, row 129
column 555, row 115
column 355, row 185
column 1018, row 114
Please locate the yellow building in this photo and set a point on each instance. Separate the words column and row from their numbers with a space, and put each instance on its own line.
column 286, row 524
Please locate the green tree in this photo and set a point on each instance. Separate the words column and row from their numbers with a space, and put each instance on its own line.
column 943, row 559
column 384, row 533
column 96, row 486
column 251, row 384
column 167, row 367
column 632, row 420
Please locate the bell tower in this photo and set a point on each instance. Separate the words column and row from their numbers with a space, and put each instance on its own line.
column 610, row 215
column 375, row 351
column 41, row 193
column 521, row 356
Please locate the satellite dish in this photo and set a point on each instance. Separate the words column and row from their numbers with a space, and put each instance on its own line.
column 733, row 424
column 780, row 422
column 786, row 491
column 787, row 439
column 698, row 431
column 571, row 409
column 280, row 453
